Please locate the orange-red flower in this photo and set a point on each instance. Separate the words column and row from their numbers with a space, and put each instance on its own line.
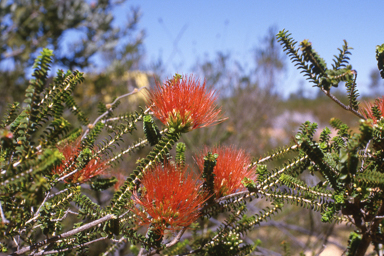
column 367, row 110
column 183, row 103
column 169, row 199
column 231, row 168
column 71, row 152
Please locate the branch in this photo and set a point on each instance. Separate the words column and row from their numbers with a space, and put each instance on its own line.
column 38, row 210
column 73, row 247
column 65, row 215
column 365, row 155
column 170, row 244
column 4, row 220
column 110, row 109
column 66, row 176
column 348, row 108
column 142, row 248
column 270, row 157
column 259, row 186
column 245, row 193
column 58, row 193
column 128, row 150
column 64, row 235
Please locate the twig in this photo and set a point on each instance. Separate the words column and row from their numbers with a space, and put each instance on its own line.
column 120, row 117
column 170, row 244
column 16, row 243
column 128, row 150
column 259, row 186
column 245, row 193
column 348, row 108
column 58, row 193
column 45, row 199
column 65, row 215
column 67, row 175
column 365, row 155
column 142, row 248
column 49, row 196
column 64, row 235
column 116, row 243
column 110, row 109
column 4, row 220
column 117, row 156
column 73, row 247
column 270, row 157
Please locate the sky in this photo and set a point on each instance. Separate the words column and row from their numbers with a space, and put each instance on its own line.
column 184, row 32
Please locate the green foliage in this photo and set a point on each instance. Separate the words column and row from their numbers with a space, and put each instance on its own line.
column 346, row 161
column 56, row 130
column 315, row 69
column 276, row 154
column 11, row 114
column 353, row 243
column 156, row 155
column 103, row 184
column 150, row 130
column 231, row 244
column 288, row 43
column 180, row 155
column 177, row 248
column 208, row 175
column 87, row 208
column 376, row 112
column 352, row 93
column 342, row 59
column 380, row 59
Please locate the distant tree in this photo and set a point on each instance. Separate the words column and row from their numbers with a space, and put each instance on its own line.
column 247, row 96
column 270, row 59
column 28, row 26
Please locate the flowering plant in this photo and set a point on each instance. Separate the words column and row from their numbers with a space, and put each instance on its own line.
column 46, row 180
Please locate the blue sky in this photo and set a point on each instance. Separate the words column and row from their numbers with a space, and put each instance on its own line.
column 182, row 32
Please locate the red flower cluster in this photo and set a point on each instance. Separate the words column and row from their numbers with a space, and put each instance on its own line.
column 71, row 152
column 184, row 104
column 169, row 199
column 231, row 168
column 367, row 110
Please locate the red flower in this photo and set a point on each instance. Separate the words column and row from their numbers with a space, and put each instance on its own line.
column 71, row 152
column 367, row 110
column 184, row 104
column 169, row 199
column 231, row 168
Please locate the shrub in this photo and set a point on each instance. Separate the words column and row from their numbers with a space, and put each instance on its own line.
column 46, row 164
